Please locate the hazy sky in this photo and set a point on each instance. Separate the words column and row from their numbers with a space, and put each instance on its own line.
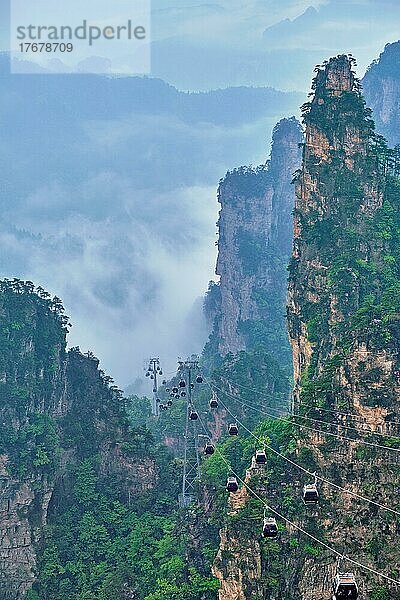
column 108, row 200
column 204, row 45
column 115, row 212
column 265, row 42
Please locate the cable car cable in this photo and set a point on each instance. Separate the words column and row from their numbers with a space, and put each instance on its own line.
column 385, row 435
column 343, row 414
column 315, row 539
column 237, row 398
column 327, row 481
column 335, row 435
column 312, row 406
column 319, row 477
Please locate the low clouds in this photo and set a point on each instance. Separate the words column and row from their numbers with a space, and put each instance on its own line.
column 127, row 286
column 108, row 200
column 108, row 185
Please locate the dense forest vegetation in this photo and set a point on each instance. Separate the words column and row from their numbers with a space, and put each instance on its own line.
column 362, row 253
column 101, row 541
column 113, row 529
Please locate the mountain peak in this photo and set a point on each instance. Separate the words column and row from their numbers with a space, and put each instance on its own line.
column 335, row 76
column 311, row 10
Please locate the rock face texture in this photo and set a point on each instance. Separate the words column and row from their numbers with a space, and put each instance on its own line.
column 382, row 92
column 17, row 558
column 345, row 343
column 55, row 407
column 239, row 562
column 255, row 233
column 343, row 315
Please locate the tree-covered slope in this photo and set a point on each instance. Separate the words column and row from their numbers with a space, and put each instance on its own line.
column 343, row 317
column 87, row 502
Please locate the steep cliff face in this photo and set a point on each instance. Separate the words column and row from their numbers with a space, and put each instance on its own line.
column 32, row 365
column 343, row 318
column 56, row 408
column 337, row 180
column 239, row 562
column 381, row 86
column 255, row 232
column 343, row 314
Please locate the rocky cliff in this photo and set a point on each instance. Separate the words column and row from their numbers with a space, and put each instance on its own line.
column 343, row 315
column 343, row 320
column 56, row 409
column 381, row 86
column 255, row 233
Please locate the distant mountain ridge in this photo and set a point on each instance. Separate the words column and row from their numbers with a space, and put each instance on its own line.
column 381, row 86
column 98, row 172
column 144, row 94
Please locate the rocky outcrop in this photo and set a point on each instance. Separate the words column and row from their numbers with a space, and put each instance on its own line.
column 255, row 233
column 344, row 330
column 18, row 536
column 56, row 408
column 238, row 564
column 345, row 362
column 381, row 86
column 32, row 374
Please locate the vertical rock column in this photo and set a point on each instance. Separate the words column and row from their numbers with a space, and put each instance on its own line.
column 255, row 236
column 345, row 357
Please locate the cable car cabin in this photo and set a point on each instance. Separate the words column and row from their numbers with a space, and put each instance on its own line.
column 261, row 457
column 193, row 415
column 270, row 528
column 209, row 449
column 310, row 494
column 233, row 429
column 345, row 586
column 213, row 403
column 232, row 484
column 182, row 383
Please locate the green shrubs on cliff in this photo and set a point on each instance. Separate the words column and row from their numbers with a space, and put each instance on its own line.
column 97, row 547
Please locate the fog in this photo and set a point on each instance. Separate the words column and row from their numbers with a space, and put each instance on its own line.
column 265, row 42
column 108, row 189
column 108, row 200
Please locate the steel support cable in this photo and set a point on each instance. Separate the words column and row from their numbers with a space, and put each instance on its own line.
column 297, row 527
column 311, row 474
column 335, row 435
column 343, row 414
column 307, row 418
column 312, row 406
